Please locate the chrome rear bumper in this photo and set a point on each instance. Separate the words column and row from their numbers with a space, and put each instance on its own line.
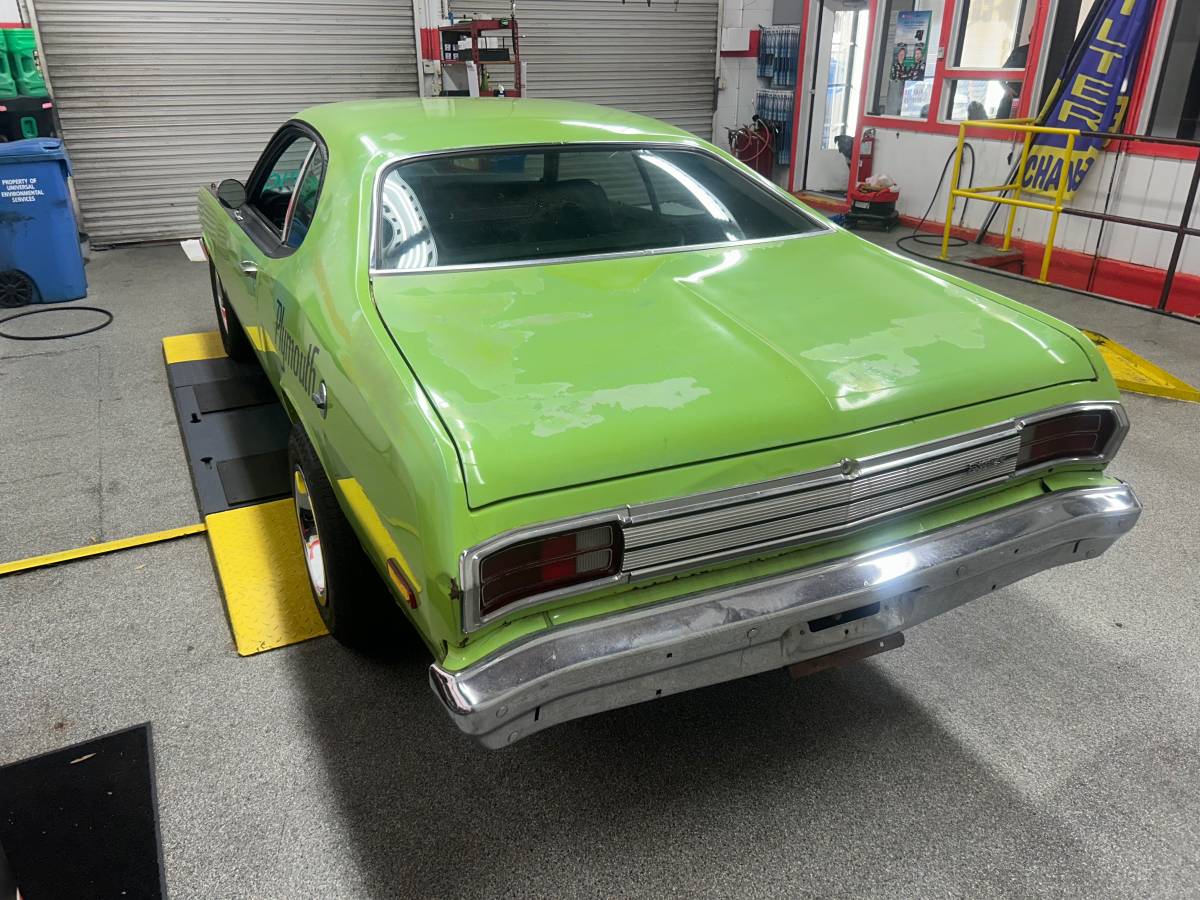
column 719, row 635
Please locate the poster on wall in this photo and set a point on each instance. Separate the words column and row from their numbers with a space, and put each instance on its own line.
column 911, row 45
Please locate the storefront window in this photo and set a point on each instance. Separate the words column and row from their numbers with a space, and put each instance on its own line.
column 1177, row 107
column 994, row 34
column 992, row 99
column 904, row 71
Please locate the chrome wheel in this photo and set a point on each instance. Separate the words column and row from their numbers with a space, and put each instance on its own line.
column 223, row 311
column 310, row 535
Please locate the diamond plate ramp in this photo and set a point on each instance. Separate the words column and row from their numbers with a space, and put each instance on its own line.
column 261, row 569
column 1136, row 373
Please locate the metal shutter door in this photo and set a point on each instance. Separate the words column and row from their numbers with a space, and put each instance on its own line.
column 658, row 60
column 160, row 97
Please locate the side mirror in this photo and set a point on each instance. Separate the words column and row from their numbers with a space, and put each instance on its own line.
column 231, row 193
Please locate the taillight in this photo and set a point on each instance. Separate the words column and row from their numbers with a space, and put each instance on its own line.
column 1086, row 434
column 548, row 563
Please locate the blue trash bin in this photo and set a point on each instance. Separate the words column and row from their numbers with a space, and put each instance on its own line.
column 40, row 260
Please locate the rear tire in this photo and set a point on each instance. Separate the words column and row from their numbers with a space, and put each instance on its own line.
column 353, row 601
column 233, row 336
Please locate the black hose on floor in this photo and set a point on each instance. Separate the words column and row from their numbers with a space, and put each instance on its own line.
column 59, row 309
column 930, row 240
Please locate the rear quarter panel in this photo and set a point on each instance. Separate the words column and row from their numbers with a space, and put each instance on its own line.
column 388, row 458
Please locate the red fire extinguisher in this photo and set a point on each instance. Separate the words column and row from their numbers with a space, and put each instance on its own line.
column 866, row 152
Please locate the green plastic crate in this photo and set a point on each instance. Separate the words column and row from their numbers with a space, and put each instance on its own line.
column 8, row 84
column 22, row 54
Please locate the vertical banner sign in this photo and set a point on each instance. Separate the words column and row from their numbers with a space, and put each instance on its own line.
column 1093, row 96
column 911, row 45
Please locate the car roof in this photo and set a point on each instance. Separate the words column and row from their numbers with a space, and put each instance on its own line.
column 401, row 128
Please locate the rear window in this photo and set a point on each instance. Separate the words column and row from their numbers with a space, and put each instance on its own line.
column 515, row 206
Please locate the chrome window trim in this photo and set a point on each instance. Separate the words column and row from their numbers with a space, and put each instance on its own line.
column 470, row 559
column 769, row 188
column 291, row 210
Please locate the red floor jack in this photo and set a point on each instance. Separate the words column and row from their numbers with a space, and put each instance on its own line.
column 870, row 207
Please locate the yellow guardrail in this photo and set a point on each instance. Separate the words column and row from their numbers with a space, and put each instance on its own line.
column 992, row 193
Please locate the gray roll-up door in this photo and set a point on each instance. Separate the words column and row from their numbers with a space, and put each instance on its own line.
column 160, row 97
column 657, row 60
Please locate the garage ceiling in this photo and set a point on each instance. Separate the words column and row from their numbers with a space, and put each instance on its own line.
column 160, row 97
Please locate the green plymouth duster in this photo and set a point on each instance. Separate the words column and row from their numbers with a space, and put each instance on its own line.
column 610, row 417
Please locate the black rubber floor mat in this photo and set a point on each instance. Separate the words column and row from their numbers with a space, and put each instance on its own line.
column 83, row 822
column 233, row 393
column 255, row 479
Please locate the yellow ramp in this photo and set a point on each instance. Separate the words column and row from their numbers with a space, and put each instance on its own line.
column 189, row 347
column 262, row 573
column 1134, row 373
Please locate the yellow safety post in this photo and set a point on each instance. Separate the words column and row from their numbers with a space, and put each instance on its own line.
column 993, row 193
column 1058, row 205
column 1012, row 210
column 962, row 138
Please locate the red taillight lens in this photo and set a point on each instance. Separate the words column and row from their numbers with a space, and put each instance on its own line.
column 1079, row 434
column 547, row 564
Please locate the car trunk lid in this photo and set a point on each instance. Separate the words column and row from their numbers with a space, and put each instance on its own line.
column 548, row 376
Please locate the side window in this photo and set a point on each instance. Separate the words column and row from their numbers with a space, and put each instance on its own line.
column 274, row 196
column 304, row 206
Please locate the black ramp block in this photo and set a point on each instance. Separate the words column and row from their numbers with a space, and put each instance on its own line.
column 254, row 479
column 233, row 393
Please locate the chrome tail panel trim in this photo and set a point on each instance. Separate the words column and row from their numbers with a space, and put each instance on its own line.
column 744, row 526
column 686, row 533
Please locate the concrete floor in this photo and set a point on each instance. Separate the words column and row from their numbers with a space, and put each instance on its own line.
column 1044, row 741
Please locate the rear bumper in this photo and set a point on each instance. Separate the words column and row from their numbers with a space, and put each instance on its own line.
column 719, row 635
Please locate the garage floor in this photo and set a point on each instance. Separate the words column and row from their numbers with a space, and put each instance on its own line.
column 1042, row 741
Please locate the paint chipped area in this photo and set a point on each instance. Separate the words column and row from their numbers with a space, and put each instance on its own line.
column 551, row 409
column 582, row 409
column 877, row 363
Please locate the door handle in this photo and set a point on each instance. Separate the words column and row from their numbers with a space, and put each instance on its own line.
column 249, row 269
column 320, row 398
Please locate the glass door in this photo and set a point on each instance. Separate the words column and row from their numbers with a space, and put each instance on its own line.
column 837, row 74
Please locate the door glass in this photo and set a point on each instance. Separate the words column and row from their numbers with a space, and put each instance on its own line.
column 841, row 108
column 840, row 52
column 305, row 206
column 275, row 195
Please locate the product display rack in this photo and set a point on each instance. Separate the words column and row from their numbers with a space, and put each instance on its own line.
column 474, row 79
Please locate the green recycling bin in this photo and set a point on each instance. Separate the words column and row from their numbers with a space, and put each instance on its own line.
column 22, row 54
